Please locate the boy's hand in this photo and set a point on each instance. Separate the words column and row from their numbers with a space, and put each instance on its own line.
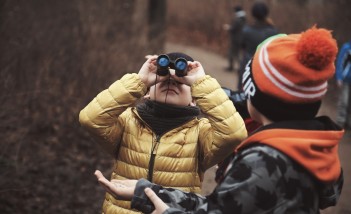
column 147, row 72
column 160, row 206
column 120, row 189
column 195, row 72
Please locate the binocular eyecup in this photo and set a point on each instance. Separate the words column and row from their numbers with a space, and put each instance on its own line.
column 180, row 65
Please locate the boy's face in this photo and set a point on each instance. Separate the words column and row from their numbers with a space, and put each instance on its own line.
column 171, row 92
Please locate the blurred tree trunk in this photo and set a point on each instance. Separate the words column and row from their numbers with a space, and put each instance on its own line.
column 157, row 25
column 56, row 55
column 66, row 51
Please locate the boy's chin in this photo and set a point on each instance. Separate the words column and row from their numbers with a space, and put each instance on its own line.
column 172, row 101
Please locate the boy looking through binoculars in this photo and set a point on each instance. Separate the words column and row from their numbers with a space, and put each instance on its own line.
column 163, row 139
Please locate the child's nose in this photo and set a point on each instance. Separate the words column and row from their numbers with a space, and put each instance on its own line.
column 173, row 82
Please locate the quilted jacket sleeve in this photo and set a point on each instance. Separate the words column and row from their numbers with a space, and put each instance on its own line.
column 224, row 129
column 103, row 118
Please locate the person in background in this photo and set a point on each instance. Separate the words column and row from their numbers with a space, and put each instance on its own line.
column 253, row 34
column 150, row 123
column 343, row 80
column 288, row 165
column 235, row 36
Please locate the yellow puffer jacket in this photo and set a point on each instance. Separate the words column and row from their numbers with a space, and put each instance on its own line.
column 176, row 159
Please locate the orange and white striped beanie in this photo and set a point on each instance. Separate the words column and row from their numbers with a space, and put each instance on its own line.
column 288, row 75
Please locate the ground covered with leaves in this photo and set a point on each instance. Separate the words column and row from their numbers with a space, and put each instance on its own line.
column 47, row 167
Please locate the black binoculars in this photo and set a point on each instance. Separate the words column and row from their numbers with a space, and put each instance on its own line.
column 180, row 65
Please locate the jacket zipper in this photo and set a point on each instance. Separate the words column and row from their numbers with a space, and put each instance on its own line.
column 152, row 158
column 154, row 148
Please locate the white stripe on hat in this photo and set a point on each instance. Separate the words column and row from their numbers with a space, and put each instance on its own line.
column 283, row 83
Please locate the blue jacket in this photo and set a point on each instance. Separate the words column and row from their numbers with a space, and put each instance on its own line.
column 343, row 63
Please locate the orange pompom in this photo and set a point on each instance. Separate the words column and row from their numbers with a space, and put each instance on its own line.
column 316, row 48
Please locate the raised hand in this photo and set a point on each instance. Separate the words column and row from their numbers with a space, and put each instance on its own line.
column 195, row 72
column 147, row 72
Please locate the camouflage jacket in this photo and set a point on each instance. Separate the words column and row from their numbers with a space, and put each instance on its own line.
column 264, row 179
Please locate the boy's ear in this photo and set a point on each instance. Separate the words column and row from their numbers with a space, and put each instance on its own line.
column 147, row 95
column 192, row 103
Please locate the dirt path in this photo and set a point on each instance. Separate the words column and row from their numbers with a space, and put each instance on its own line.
column 214, row 65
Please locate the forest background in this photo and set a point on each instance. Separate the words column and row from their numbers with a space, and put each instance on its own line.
column 57, row 55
